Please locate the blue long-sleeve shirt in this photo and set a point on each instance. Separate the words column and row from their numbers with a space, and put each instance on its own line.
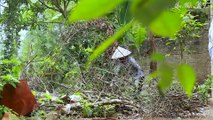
column 134, row 69
column 138, row 72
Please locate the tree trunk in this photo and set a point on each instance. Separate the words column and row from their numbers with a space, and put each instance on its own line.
column 153, row 65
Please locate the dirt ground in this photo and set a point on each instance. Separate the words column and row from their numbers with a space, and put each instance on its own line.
column 207, row 115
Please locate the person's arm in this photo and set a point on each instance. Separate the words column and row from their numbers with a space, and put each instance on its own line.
column 134, row 63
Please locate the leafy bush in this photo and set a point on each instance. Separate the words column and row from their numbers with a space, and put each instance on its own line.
column 56, row 56
column 9, row 76
column 4, row 109
column 204, row 89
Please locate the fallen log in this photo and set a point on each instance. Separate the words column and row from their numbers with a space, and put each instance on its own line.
column 78, row 106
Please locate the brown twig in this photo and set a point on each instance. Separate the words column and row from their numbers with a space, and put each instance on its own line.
column 49, row 7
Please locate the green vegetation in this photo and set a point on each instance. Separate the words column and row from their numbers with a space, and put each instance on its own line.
column 64, row 46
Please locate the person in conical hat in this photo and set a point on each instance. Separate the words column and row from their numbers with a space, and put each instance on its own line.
column 120, row 52
column 123, row 56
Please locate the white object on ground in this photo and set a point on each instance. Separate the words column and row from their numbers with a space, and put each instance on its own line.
column 75, row 98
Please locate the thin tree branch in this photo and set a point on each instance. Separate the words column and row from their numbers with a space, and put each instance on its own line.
column 57, row 3
column 41, row 22
column 49, row 7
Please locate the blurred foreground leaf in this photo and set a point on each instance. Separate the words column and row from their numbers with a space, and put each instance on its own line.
column 89, row 9
column 165, row 73
column 167, row 24
column 192, row 2
column 147, row 10
column 157, row 57
column 187, row 78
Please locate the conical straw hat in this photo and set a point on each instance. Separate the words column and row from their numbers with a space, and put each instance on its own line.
column 120, row 52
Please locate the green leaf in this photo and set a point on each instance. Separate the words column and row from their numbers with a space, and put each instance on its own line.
column 48, row 96
column 140, row 36
column 16, row 70
column 192, row 2
column 34, row 1
column 157, row 57
column 6, row 77
column 101, row 48
column 77, row 93
column 147, row 10
column 165, row 73
column 187, row 77
column 167, row 24
column 87, row 111
column 89, row 9
column 57, row 16
column 125, row 15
